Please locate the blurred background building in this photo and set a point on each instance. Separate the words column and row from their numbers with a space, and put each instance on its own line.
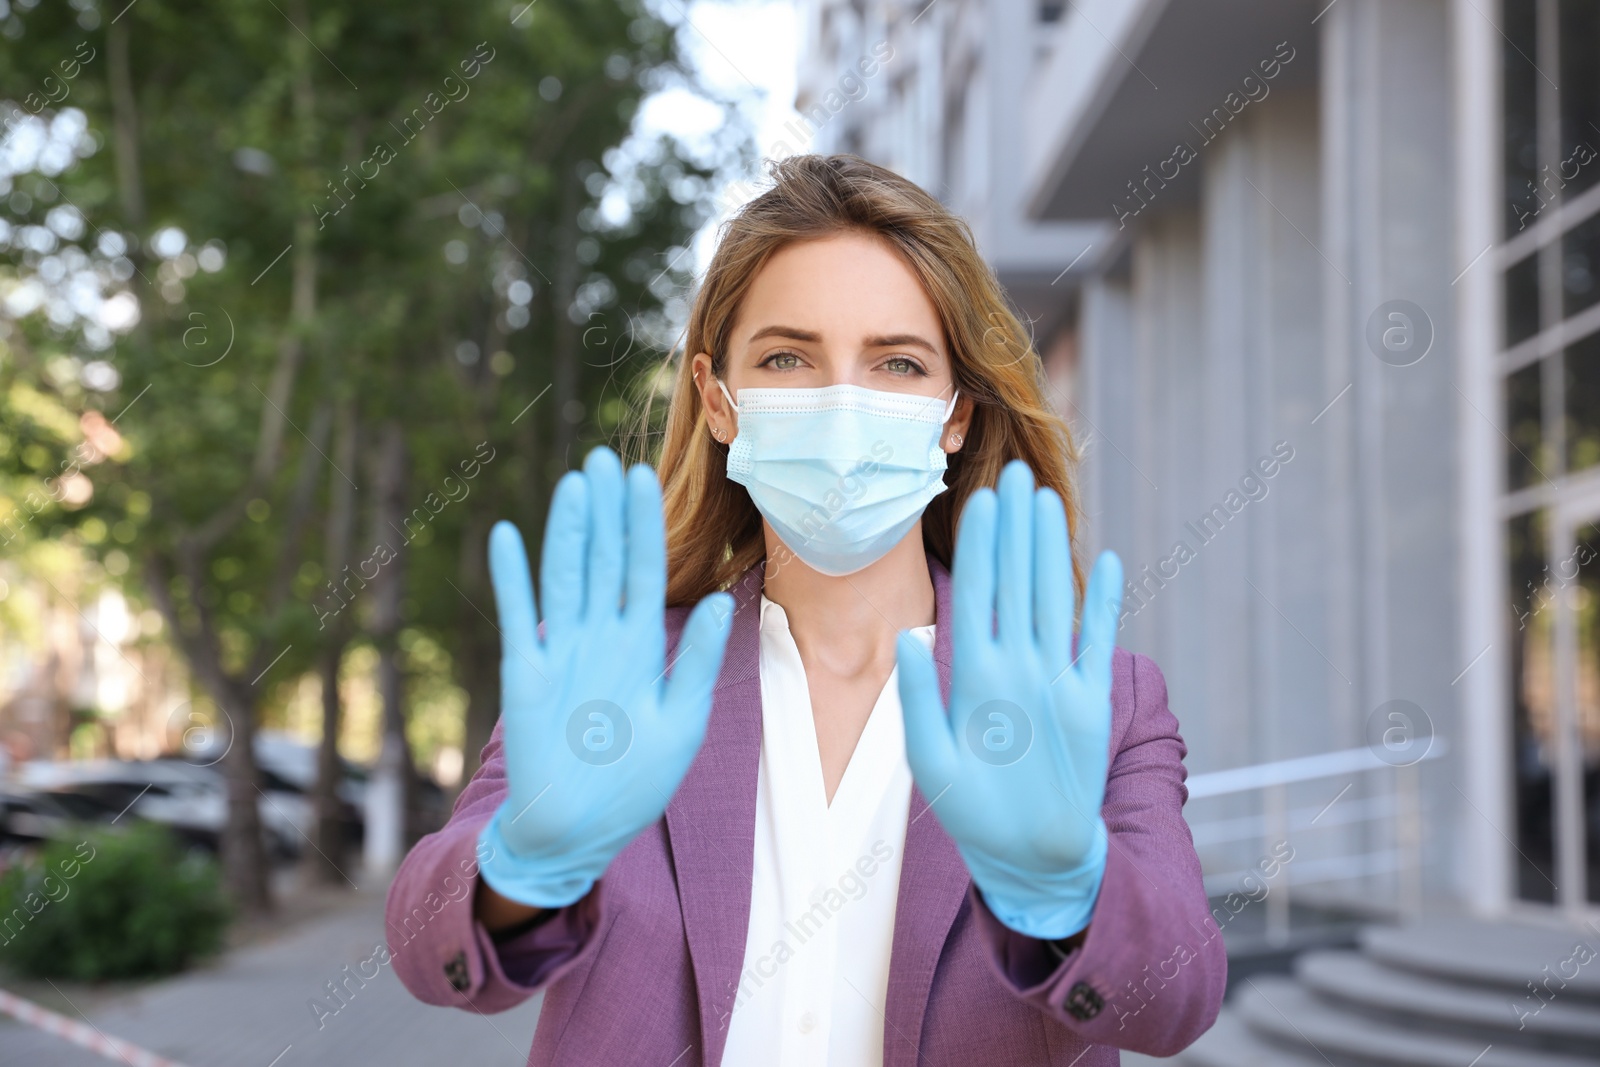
column 1316, row 283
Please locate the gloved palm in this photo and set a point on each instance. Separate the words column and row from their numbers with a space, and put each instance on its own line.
column 1016, row 772
column 596, row 737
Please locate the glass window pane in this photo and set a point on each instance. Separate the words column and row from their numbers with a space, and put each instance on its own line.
column 1522, row 300
column 1530, row 627
column 1585, row 560
column 1524, row 427
column 1582, row 364
column 1580, row 266
column 1519, row 81
column 1577, row 168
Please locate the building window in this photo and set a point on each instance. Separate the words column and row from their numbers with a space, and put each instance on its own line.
column 1532, row 729
column 1550, row 377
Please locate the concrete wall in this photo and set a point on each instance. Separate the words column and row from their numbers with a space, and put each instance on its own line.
column 1239, row 338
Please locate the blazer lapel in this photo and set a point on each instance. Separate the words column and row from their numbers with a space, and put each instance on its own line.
column 933, row 883
column 711, row 821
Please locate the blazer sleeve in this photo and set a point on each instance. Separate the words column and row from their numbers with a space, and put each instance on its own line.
column 441, row 953
column 1150, row 974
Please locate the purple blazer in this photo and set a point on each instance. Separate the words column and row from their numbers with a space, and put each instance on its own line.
column 645, row 968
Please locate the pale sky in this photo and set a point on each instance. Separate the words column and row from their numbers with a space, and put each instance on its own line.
column 743, row 50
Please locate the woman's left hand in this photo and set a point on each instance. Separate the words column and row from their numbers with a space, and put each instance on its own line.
column 1016, row 771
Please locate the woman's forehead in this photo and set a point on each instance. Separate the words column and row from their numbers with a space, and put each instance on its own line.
column 844, row 289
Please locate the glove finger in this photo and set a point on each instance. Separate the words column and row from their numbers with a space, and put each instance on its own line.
column 514, row 604
column 1102, row 609
column 930, row 746
column 561, row 567
column 1014, row 565
column 973, row 577
column 1052, row 581
column 603, row 585
column 647, row 548
column 696, row 663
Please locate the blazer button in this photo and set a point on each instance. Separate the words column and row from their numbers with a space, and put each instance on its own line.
column 1083, row 1002
column 456, row 972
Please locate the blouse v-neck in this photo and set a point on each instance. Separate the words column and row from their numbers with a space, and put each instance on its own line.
column 825, row 877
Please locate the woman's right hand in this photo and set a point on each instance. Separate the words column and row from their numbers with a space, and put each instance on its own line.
column 596, row 736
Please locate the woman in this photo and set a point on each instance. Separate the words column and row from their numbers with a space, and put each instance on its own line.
column 702, row 825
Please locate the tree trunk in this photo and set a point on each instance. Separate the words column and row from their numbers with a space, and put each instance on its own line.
column 390, row 789
column 125, row 112
column 328, row 859
column 564, row 379
column 244, row 860
column 478, row 650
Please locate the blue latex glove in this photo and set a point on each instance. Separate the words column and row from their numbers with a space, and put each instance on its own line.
column 596, row 736
column 1017, row 771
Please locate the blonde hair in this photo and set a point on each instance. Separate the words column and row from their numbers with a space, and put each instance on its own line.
column 713, row 531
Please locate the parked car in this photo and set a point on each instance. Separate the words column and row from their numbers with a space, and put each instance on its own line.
column 31, row 817
column 292, row 764
column 288, row 772
column 190, row 799
column 189, row 795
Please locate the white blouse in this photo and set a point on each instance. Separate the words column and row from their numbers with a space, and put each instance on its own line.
column 826, row 876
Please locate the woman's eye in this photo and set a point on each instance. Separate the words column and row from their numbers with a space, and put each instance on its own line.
column 777, row 358
column 902, row 365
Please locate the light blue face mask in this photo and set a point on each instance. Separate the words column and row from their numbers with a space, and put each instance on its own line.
column 841, row 472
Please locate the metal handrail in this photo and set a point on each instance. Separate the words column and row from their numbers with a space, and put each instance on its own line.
column 1271, row 779
column 1299, row 769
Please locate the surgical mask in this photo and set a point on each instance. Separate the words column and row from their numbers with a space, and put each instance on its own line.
column 841, row 472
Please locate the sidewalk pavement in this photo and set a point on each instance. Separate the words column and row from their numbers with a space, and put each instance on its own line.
column 251, row 1009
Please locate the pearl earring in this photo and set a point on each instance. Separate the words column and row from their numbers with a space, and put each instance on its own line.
column 955, row 439
column 717, row 434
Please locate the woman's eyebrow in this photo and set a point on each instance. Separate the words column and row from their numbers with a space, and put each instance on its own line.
column 898, row 339
column 895, row 340
column 792, row 332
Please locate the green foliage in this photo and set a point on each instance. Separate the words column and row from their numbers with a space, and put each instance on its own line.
column 319, row 220
column 426, row 161
column 111, row 904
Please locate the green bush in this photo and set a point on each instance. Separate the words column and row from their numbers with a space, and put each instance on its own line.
column 110, row 904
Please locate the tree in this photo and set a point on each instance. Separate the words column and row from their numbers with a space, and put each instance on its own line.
column 343, row 252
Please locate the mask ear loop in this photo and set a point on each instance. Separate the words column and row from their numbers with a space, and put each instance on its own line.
column 724, row 389
column 950, row 408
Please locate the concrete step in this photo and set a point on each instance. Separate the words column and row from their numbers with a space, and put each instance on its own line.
column 1505, row 956
column 1280, row 1009
column 1556, row 1023
column 1230, row 1043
